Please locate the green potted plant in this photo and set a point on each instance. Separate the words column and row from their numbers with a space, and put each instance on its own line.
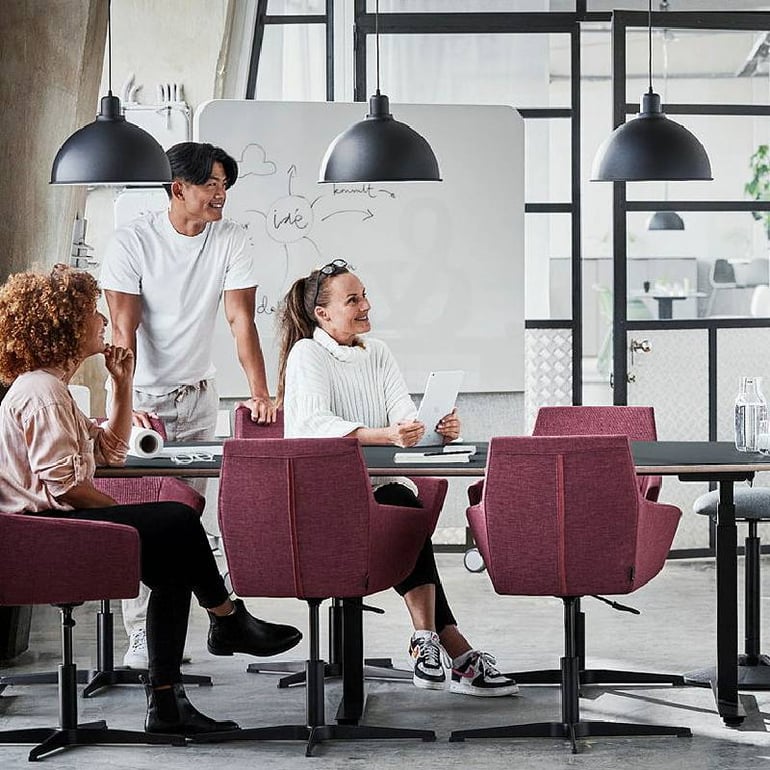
column 758, row 187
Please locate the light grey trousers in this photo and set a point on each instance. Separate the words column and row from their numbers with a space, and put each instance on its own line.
column 189, row 413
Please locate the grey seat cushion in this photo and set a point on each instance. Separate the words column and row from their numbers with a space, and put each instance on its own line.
column 750, row 503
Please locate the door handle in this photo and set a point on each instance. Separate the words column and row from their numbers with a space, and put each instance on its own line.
column 638, row 346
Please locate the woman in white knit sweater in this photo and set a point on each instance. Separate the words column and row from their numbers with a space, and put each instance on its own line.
column 333, row 383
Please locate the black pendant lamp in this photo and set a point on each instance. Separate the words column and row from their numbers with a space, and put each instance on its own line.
column 379, row 148
column 651, row 147
column 111, row 151
column 665, row 220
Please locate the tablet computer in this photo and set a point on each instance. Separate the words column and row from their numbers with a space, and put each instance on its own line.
column 438, row 401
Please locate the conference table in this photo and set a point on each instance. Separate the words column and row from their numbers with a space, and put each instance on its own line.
column 716, row 461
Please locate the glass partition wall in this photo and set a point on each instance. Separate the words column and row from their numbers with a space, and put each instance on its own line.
column 616, row 311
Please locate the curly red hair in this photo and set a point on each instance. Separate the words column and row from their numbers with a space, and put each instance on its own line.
column 43, row 319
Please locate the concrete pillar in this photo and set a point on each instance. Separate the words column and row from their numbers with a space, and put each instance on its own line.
column 51, row 56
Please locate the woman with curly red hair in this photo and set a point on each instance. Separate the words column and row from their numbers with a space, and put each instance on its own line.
column 49, row 324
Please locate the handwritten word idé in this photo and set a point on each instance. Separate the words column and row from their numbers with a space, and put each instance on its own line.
column 295, row 219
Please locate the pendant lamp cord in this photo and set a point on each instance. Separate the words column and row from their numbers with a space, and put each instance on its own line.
column 109, row 47
column 377, row 41
column 649, row 43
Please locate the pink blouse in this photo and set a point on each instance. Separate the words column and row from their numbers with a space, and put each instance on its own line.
column 47, row 445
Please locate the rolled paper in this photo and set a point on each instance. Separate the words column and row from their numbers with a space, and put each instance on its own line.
column 144, row 442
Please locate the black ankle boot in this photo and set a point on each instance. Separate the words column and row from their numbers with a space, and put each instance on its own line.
column 242, row 632
column 170, row 711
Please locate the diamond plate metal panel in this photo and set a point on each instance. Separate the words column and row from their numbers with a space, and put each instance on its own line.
column 740, row 353
column 548, row 370
column 673, row 378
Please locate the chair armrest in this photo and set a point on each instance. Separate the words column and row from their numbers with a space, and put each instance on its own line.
column 51, row 560
column 396, row 537
column 151, row 489
column 477, row 520
column 650, row 487
column 175, row 490
column 655, row 532
column 432, row 493
column 475, row 492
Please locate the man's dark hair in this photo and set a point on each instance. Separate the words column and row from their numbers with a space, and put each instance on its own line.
column 192, row 163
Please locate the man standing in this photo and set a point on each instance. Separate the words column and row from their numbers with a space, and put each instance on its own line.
column 164, row 276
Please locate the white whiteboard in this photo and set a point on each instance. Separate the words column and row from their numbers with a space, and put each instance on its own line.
column 443, row 263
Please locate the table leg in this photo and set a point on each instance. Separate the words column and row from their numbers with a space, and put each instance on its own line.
column 665, row 308
column 726, row 685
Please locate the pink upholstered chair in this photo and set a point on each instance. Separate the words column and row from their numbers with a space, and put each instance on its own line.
column 67, row 562
column 636, row 422
column 298, row 518
column 432, row 493
column 126, row 491
column 245, row 427
column 564, row 516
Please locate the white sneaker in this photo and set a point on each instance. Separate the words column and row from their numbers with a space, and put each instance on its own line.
column 136, row 655
column 427, row 658
column 478, row 676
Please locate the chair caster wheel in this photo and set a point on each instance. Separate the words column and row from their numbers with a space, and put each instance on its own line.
column 473, row 561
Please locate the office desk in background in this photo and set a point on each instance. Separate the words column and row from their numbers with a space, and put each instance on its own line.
column 716, row 462
column 666, row 301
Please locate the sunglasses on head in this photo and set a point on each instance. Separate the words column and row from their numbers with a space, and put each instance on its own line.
column 331, row 268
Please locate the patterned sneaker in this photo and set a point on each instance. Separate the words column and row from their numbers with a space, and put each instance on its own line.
column 478, row 676
column 136, row 655
column 426, row 653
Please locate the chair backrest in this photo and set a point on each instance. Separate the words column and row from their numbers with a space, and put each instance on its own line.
column 306, row 503
column 66, row 561
column 636, row 422
column 561, row 515
column 245, row 427
column 722, row 273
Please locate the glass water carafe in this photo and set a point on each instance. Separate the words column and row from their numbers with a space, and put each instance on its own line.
column 750, row 415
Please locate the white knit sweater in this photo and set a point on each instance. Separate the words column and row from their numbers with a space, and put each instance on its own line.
column 331, row 389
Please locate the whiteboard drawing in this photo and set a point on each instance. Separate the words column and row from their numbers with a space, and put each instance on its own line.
column 443, row 262
column 294, row 222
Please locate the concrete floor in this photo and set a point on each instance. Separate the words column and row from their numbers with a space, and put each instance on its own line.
column 675, row 633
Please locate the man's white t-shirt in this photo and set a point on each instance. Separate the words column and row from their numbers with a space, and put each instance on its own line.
column 180, row 279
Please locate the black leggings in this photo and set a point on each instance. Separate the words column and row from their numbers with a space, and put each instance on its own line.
column 425, row 571
column 176, row 561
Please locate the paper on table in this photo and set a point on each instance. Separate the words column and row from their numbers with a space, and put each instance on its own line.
column 144, row 442
column 452, row 448
column 437, row 458
column 212, row 449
